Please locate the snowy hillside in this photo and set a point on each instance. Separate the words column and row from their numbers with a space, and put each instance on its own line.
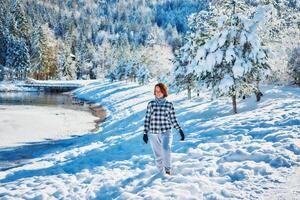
column 254, row 154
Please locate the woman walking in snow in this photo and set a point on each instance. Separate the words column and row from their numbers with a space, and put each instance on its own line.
column 159, row 120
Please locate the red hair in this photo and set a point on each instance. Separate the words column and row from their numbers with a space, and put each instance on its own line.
column 163, row 88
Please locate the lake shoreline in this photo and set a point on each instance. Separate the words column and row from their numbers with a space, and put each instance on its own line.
column 96, row 110
column 27, row 124
column 52, row 121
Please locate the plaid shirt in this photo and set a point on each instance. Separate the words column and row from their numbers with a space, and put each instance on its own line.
column 160, row 118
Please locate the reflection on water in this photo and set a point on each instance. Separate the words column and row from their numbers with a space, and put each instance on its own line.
column 41, row 99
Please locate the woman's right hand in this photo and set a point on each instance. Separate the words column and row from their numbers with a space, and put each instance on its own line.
column 181, row 134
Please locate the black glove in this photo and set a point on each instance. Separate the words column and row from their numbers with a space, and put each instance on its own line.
column 145, row 138
column 181, row 134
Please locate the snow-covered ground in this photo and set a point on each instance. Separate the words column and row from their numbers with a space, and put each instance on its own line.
column 20, row 124
column 254, row 154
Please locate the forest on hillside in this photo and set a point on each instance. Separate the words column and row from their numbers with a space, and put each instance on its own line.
column 131, row 39
column 76, row 39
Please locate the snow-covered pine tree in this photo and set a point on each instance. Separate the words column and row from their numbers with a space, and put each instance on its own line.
column 102, row 58
column 21, row 20
column 201, row 28
column 11, row 32
column 112, row 73
column 35, row 52
column 3, row 37
column 48, row 48
column 93, row 64
column 84, row 60
column 2, row 45
column 70, row 69
column 230, row 60
column 98, row 63
column 23, row 60
column 172, row 37
column 130, row 70
column 119, row 55
column 281, row 34
column 182, row 78
column 143, row 74
column 4, row 42
column 120, row 70
column 294, row 66
column 61, row 63
column 111, row 76
column 248, row 8
column 17, row 58
column 79, row 64
column 2, row 72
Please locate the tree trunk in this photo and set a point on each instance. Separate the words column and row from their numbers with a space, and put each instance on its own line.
column 189, row 93
column 234, row 104
column 258, row 93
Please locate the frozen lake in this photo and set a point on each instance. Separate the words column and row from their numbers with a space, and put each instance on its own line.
column 31, row 117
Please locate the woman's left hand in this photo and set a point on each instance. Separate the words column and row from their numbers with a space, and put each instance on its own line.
column 145, row 138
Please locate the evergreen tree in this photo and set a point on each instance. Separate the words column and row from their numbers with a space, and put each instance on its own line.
column 71, row 39
column 17, row 59
column 22, row 23
column 66, row 63
column 3, row 34
column 48, row 54
column 3, row 43
column 102, row 58
column 294, row 66
column 70, row 67
column 112, row 76
column 10, row 59
column 84, row 64
column 61, row 62
column 120, row 70
column 130, row 70
column 230, row 60
column 2, row 74
column 23, row 62
column 202, row 27
column 281, row 35
column 35, row 52
column 143, row 75
column 182, row 78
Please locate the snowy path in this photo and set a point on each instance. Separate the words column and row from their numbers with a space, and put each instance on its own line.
column 244, row 156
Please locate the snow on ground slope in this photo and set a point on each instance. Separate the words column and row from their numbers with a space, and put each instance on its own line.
column 254, row 154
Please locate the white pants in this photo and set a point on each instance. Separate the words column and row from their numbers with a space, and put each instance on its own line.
column 161, row 147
